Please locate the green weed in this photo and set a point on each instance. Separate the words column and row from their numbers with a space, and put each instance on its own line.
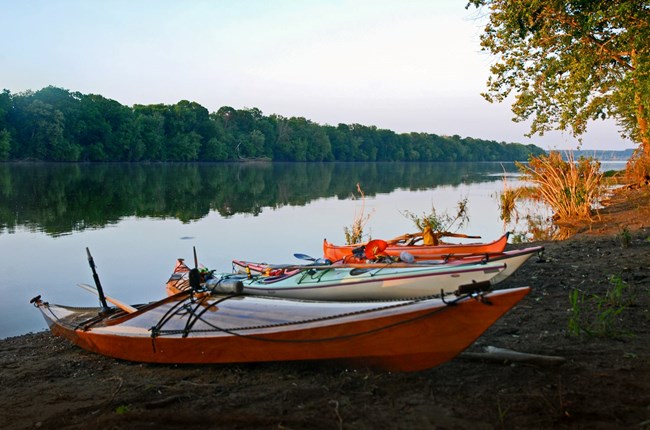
column 624, row 237
column 576, row 299
column 599, row 315
column 502, row 413
column 441, row 222
column 122, row 409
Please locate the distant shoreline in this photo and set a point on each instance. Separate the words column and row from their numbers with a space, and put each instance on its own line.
column 601, row 154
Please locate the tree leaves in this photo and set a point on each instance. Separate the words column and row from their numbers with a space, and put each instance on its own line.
column 568, row 62
column 56, row 124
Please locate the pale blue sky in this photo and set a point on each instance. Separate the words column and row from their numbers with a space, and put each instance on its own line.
column 408, row 65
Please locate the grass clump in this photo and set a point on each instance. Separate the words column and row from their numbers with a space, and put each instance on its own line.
column 571, row 188
column 441, row 222
column 433, row 225
column 599, row 315
column 624, row 237
column 354, row 233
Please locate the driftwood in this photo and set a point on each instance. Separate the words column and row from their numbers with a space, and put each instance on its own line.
column 412, row 238
column 492, row 353
column 166, row 401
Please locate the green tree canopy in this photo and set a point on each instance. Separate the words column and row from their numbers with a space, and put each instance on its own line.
column 571, row 61
column 56, row 124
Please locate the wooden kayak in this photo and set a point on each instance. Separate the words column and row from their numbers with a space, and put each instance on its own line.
column 332, row 282
column 406, row 335
column 342, row 252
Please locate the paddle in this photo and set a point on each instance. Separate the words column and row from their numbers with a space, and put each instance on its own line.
column 467, row 236
column 321, row 261
column 126, row 308
column 304, row 257
column 100, row 291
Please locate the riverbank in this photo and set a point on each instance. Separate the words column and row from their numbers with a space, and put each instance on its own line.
column 604, row 382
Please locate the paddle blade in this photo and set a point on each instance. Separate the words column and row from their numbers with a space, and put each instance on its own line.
column 126, row 308
column 304, row 257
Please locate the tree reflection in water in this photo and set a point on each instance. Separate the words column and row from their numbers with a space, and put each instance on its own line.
column 62, row 198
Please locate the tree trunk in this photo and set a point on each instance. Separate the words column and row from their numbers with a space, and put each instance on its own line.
column 638, row 167
column 642, row 123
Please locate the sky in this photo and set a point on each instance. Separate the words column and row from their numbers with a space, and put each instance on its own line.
column 407, row 65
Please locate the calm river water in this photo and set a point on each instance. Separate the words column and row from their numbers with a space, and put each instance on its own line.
column 138, row 219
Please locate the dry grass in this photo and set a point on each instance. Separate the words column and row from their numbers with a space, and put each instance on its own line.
column 570, row 188
column 441, row 222
column 638, row 168
column 508, row 202
column 354, row 233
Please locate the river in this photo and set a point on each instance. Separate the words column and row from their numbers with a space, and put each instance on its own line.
column 137, row 219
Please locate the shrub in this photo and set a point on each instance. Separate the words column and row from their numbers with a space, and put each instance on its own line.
column 571, row 188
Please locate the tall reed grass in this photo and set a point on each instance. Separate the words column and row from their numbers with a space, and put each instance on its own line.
column 571, row 188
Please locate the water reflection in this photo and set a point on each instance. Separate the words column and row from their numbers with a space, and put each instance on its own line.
column 137, row 219
column 61, row 198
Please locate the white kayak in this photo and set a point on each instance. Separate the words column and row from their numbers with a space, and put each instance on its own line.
column 332, row 283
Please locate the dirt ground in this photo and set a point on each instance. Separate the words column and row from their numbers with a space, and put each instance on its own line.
column 604, row 383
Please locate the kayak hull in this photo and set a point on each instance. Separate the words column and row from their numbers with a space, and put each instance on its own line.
column 370, row 282
column 342, row 252
column 395, row 336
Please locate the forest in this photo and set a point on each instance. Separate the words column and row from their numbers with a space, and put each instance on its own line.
column 55, row 124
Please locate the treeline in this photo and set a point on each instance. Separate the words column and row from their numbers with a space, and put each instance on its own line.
column 600, row 154
column 54, row 124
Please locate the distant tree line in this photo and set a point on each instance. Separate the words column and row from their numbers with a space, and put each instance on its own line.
column 54, row 124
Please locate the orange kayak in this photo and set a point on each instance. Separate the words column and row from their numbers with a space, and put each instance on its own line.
column 405, row 335
column 430, row 252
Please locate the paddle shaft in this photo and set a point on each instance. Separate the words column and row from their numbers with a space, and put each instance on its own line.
column 126, row 308
column 98, row 284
